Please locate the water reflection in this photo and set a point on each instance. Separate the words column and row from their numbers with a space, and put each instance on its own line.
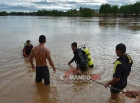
column 128, row 23
column 46, row 94
column 107, row 22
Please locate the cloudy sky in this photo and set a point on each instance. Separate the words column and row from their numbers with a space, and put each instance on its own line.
column 34, row 5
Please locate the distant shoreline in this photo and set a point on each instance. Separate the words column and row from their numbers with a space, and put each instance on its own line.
column 106, row 10
column 105, row 16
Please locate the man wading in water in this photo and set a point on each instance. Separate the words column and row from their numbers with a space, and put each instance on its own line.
column 80, row 58
column 122, row 69
column 41, row 53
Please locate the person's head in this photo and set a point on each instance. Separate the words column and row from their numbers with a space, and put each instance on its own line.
column 42, row 39
column 28, row 42
column 74, row 46
column 120, row 49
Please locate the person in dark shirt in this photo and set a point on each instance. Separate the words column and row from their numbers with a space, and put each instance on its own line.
column 27, row 48
column 80, row 57
column 122, row 69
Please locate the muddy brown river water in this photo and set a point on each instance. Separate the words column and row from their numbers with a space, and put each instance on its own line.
column 101, row 34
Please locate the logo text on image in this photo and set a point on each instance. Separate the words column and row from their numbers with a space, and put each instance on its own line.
column 81, row 77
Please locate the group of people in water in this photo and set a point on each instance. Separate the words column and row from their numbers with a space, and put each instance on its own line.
column 122, row 66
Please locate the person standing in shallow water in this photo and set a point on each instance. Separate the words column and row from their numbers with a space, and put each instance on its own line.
column 122, row 69
column 41, row 53
column 27, row 48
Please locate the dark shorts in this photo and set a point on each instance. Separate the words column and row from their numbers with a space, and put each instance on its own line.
column 82, row 68
column 42, row 73
column 117, row 87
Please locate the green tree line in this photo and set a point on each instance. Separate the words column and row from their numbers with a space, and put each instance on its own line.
column 84, row 12
column 105, row 9
column 3, row 13
column 131, row 9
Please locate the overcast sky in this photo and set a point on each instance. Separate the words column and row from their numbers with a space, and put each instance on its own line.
column 34, row 5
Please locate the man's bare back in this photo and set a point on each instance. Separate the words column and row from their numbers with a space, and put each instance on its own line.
column 40, row 53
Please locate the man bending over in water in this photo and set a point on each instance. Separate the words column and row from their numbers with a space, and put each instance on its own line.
column 41, row 53
column 80, row 58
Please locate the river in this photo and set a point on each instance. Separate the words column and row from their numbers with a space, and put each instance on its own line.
column 17, row 79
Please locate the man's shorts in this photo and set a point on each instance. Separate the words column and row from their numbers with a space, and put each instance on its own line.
column 42, row 73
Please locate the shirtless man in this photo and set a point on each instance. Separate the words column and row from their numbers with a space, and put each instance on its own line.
column 41, row 53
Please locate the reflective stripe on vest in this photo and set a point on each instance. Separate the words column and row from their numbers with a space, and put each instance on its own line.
column 130, row 60
column 115, row 65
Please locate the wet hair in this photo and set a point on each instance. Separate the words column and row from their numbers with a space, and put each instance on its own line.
column 121, row 47
column 28, row 41
column 42, row 39
column 74, row 44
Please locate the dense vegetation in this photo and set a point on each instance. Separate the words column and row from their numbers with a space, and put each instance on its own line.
column 3, row 13
column 105, row 9
column 126, row 10
column 84, row 12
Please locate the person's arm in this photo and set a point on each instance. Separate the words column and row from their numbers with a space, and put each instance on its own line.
column 31, row 59
column 130, row 68
column 113, row 81
column 24, row 52
column 50, row 60
column 72, row 60
column 131, row 93
column 117, row 76
column 131, row 63
column 138, row 99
